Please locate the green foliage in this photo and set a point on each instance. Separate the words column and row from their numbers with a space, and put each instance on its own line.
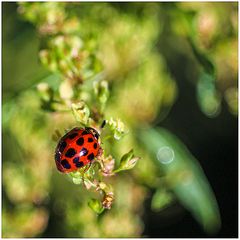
column 117, row 128
column 102, row 93
column 183, row 175
column 127, row 162
column 96, row 206
column 202, row 29
column 66, row 56
column 108, row 62
column 208, row 96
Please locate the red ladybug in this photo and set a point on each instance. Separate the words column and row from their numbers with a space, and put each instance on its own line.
column 76, row 149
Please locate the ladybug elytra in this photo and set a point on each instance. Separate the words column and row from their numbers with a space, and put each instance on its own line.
column 76, row 149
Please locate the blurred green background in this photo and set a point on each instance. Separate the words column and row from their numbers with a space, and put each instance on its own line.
column 173, row 75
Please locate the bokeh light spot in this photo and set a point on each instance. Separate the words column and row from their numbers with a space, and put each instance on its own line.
column 165, row 155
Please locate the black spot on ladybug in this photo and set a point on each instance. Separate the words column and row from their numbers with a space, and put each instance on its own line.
column 76, row 159
column 73, row 135
column 62, row 146
column 80, row 141
column 70, row 152
column 83, row 152
column 90, row 157
column 65, row 164
column 90, row 139
column 57, row 156
column 79, row 164
column 95, row 145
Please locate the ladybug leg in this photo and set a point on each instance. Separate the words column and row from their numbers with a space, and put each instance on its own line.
column 99, row 157
column 87, row 168
column 83, row 180
column 100, row 152
column 102, row 163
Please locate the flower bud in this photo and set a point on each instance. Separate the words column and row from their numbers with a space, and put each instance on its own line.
column 117, row 127
column 44, row 57
column 108, row 165
column 45, row 91
column 65, row 90
column 81, row 112
column 108, row 200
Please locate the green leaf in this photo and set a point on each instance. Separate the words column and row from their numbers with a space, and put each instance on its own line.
column 128, row 161
column 77, row 180
column 96, row 206
column 184, row 176
column 161, row 199
column 76, row 177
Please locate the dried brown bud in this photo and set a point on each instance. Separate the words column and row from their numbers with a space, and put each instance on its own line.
column 108, row 200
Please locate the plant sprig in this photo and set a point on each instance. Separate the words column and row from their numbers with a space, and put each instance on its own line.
column 70, row 58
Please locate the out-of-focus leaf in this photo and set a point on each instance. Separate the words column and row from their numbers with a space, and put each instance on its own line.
column 102, row 92
column 231, row 96
column 184, row 176
column 8, row 108
column 161, row 199
column 202, row 58
column 208, row 96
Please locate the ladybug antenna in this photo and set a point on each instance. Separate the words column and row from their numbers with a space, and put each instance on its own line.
column 103, row 124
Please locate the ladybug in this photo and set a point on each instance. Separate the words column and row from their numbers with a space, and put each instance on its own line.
column 76, row 149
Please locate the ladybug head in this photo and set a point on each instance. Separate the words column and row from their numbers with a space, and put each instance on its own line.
column 94, row 132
